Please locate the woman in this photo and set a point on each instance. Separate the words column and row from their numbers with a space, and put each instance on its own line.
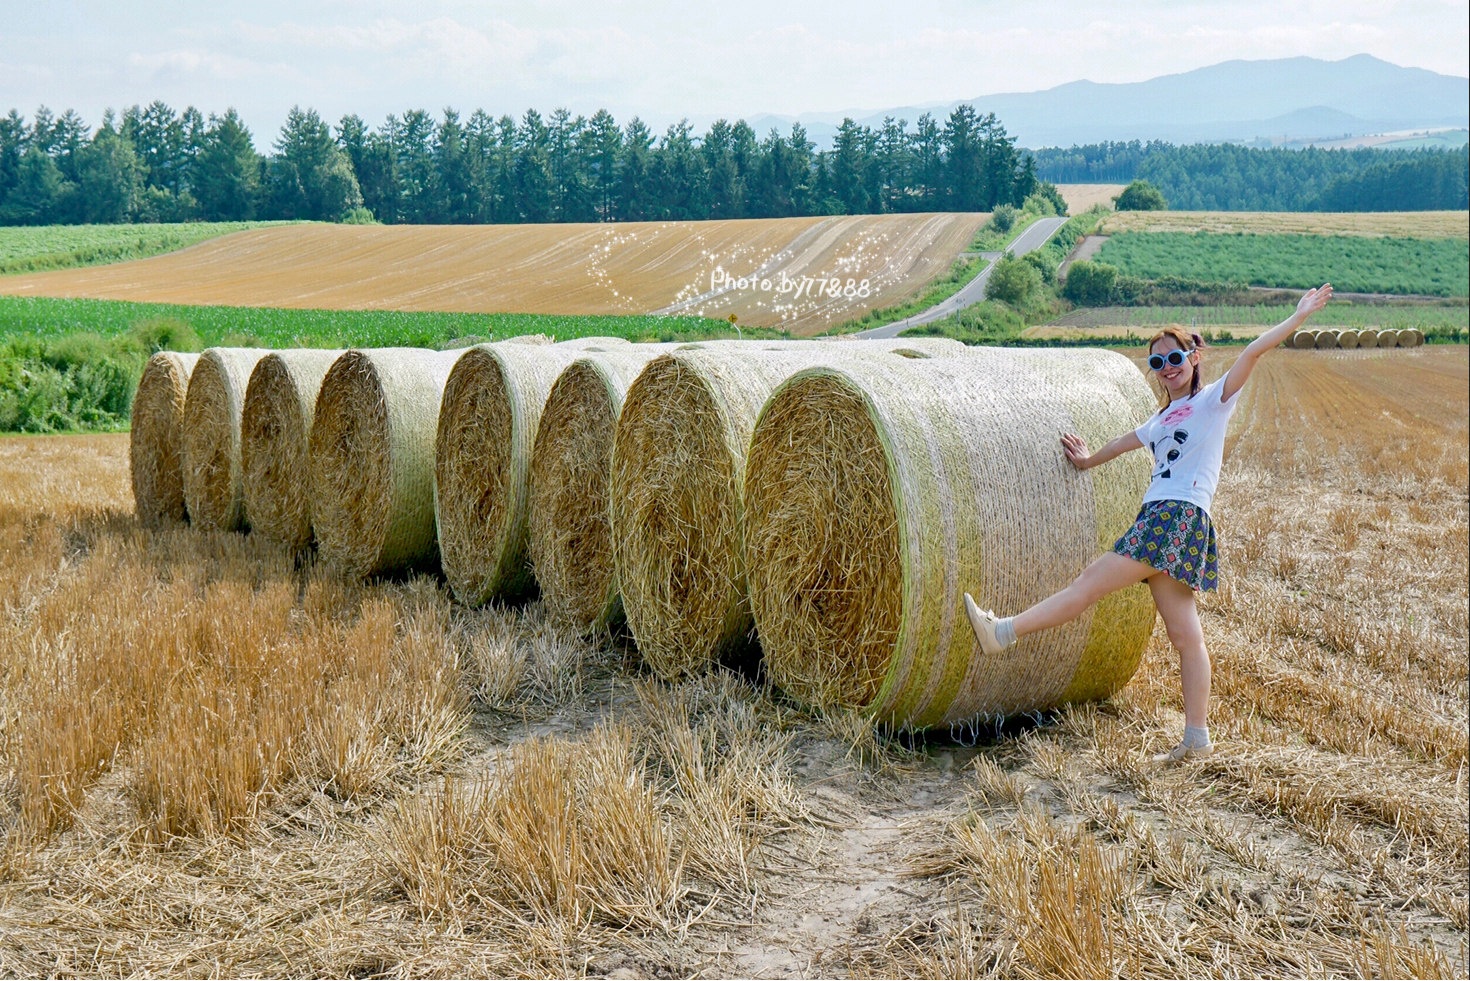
column 1172, row 542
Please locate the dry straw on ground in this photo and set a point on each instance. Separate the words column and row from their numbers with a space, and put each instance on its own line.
column 280, row 403
column 570, row 534
column 155, row 443
column 677, row 470
column 214, row 488
column 876, row 492
column 482, row 461
column 372, row 459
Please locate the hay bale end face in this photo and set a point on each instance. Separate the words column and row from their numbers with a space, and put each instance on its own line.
column 1388, row 338
column 487, row 426
column 1348, row 339
column 1368, row 337
column 1304, row 339
column 372, row 460
column 1416, row 337
column 155, row 438
column 569, row 520
column 214, row 488
column 280, row 404
column 1326, row 340
column 876, row 492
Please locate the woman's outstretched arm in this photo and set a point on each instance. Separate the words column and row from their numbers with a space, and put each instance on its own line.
column 1076, row 449
column 1310, row 303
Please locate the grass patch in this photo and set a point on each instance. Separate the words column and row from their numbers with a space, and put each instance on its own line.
column 38, row 248
column 961, row 273
column 1432, row 267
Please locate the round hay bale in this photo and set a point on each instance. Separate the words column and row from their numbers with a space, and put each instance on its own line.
column 570, row 524
column 876, row 492
column 1348, row 339
column 593, row 343
column 1326, row 340
column 214, row 489
column 1304, row 339
column 1388, row 338
column 482, row 462
column 372, row 460
column 280, row 403
column 1368, row 337
column 1416, row 337
column 678, row 468
column 155, row 438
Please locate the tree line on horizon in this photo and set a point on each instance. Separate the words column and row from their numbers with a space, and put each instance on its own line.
column 153, row 164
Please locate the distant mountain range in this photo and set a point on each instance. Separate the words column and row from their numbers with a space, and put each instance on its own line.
column 1281, row 100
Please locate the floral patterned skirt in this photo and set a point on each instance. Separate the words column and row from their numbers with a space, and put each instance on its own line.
column 1175, row 537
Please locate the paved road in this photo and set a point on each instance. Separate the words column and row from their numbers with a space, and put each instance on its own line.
column 1030, row 240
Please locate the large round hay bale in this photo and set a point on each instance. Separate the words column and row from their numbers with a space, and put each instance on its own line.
column 1304, row 339
column 1348, row 339
column 1416, row 337
column 877, row 492
column 372, row 460
column 678, row 468
column 482, row 460
column 155, row 438
column 1368, row 337
column 214, row 488
column 1388, row 338
column 280, row 403
column 593, row 343
column 1326, row 340
column 570, row 530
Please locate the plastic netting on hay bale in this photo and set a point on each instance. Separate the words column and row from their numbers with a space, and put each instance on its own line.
column 372, row 460
column 1326, row 340
column 593, row 343
column 487, row 426
column 1388, row 338
column 1368, row 337
column 877, row 492
column 570, row 532
column 280, row 403
column 214, row 489
column 155, row 438
column 678, row 467
column 1348, row 339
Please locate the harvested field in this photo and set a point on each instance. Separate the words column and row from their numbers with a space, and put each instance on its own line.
column 1373, row 224
column 1080, row 197
column 632, row 268
column 302, row 777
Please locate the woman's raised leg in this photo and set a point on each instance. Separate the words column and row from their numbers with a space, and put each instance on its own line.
column 1106, row 574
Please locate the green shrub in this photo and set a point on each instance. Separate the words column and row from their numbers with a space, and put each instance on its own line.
column 1090, row 284
column 359, row 216
column 1141, row 196
column 1013, row 281
column 1003, row 218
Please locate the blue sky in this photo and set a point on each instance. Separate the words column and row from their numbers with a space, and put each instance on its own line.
column 660, row 60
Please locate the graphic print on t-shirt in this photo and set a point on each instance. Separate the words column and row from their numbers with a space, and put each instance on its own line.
column 1170, row 444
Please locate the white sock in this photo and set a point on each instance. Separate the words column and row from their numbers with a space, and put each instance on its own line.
column 1005, row 631
column 1196, row 736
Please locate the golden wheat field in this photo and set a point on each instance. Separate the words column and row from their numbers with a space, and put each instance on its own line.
column 1080, row 197
column 1400, row 224
column 214, row 763
column 714, row 268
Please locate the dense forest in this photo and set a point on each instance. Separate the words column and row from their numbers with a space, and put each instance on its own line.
column 1227, row 177
column 153, row 164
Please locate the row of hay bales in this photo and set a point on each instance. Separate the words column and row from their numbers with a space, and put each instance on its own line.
column 1350, row 339
column 820, row 505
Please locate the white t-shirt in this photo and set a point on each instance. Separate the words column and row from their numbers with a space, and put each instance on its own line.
column 1187, row 441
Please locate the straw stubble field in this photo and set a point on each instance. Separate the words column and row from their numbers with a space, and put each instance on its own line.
column 215, row 763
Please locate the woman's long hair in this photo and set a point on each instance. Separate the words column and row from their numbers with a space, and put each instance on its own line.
column 1187, row 342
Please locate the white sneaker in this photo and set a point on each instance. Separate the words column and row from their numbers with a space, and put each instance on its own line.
column 983, row 623
column 1181, row 753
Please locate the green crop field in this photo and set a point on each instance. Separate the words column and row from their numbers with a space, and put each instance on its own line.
column 1424, row 317
column 41, row 247
column 1433, row 267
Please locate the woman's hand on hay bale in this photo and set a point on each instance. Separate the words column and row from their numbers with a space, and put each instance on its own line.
column 1076, row 449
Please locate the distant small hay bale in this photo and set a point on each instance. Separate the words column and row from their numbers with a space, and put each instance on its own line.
column 482, row 460
column 1368, row 337
column 1388, row 338
column 570, row 531
column 1326, row 340
column 1416, row 337
column 876, row 492
column 280, row 403
column 372, row 460
column 1348, row 339
column 155, row 438
column 678, row 467
column 1304, row 339
column 214, row 487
